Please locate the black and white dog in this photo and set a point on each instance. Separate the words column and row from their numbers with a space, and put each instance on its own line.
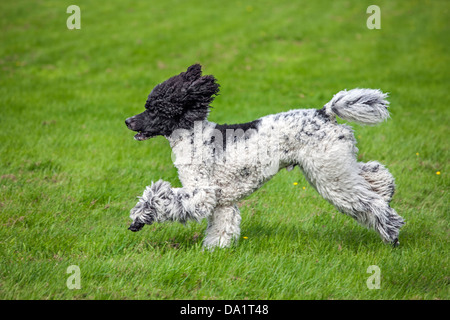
column 218, row 165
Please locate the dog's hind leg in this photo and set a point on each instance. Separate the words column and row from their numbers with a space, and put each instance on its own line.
column 223, row 227
column 379, row 178
column 337, row 177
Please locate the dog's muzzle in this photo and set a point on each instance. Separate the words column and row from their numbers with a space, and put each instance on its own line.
column 135, row 125
column 136, row 226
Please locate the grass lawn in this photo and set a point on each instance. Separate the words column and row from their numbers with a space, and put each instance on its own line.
column 70, row 170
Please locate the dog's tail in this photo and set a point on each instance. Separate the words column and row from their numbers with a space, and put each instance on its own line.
column 363, row 106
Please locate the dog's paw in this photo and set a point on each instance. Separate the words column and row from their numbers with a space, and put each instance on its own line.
column 395, row 243
column 136, row 226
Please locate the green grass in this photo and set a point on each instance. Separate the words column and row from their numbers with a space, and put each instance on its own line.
column 70, row 170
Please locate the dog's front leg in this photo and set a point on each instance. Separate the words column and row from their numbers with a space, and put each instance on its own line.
column 223, row 227
column 160, row 202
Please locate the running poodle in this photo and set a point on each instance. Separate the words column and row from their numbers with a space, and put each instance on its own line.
column 218, row 165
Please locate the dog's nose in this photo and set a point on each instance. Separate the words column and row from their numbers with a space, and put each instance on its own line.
column 129, row 122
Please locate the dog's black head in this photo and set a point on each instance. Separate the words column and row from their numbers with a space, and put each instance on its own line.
column 175, row 104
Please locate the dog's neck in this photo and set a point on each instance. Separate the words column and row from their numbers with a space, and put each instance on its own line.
column 180, row 138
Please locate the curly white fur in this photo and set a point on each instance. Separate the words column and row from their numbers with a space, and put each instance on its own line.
column 160, row 202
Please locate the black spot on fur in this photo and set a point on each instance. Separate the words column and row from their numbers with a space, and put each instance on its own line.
column 315, row 126
column 322, row 114
column 391, row 192
column 244, row 172
column 321, row 135
column 367, row 168
column 336, row 111
column 238, row 129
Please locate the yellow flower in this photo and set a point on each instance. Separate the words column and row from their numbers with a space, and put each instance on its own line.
column 245, row 237
column 417, row 153
column 304, row 188
column 295, row 183
column 438, row 173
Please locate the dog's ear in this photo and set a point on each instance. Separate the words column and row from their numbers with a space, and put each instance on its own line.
column 202, row 91
column 193, row 72
column 199, row 95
